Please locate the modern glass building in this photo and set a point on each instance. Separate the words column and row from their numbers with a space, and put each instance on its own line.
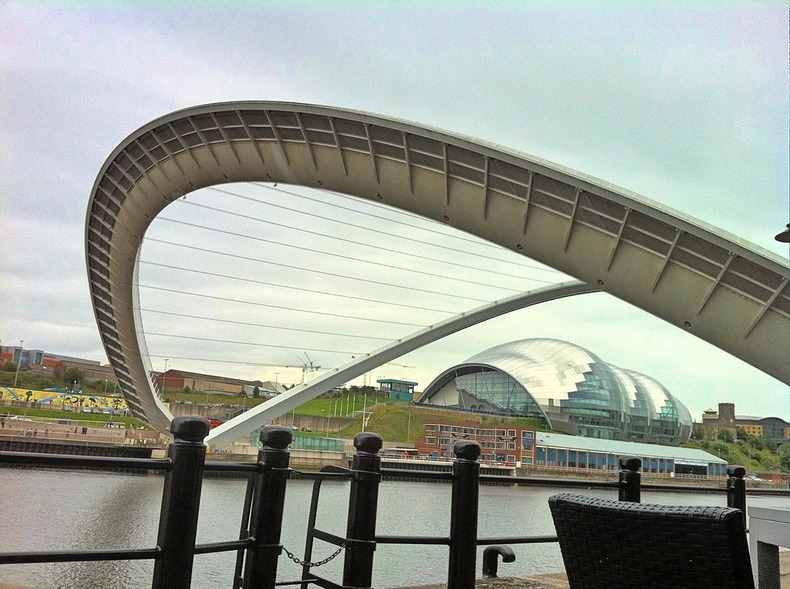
column 570, row 388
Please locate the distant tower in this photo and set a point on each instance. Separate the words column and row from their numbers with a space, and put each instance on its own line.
column 727, row 415
column 727, row 418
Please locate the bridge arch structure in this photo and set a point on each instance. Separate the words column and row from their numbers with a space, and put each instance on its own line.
column 696, row 277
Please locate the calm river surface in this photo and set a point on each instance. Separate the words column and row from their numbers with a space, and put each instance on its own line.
column 44, row 510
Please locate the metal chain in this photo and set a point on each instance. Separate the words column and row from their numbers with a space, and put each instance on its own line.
column 301, row 562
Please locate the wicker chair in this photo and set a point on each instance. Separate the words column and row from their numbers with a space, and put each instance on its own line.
column 611, row 544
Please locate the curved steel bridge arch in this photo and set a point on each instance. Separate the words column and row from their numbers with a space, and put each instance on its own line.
column 692, row 275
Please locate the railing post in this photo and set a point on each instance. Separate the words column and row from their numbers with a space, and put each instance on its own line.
column 362, row 508
column 630, row 479
column 178, row 518
column 736, row 487
column 463, row 516
column 260, row 571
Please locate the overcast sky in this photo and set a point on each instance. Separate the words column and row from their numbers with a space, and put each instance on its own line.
column 685, row 104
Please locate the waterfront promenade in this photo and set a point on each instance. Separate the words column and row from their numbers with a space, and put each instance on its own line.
column 89, row 433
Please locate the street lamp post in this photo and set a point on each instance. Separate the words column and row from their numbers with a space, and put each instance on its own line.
column 19, row 363
column 364, row 411
column 748, row 450
column 164, row 377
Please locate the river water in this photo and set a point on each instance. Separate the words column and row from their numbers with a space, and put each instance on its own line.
column 48, row 510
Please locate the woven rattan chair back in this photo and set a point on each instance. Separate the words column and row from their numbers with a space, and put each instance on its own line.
column 609, row 544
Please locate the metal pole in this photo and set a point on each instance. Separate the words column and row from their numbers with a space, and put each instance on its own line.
column 19, row 363
column 164, row 377
column 267, row 508
column 630, row 479
column 178, row 518
column 736, row 487
column 463, row 515
column 362, row 507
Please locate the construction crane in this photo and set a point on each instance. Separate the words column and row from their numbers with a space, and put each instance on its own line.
column 308, row 367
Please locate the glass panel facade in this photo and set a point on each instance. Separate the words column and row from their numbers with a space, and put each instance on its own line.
column 554, row 379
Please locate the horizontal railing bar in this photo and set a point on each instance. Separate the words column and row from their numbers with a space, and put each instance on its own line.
column 511, row 480
column 78, row 555
column 311, row 475
column 43, row 459
column 325, row 583
column 327, row 537
column 296, row 582
column 442, row 540
column 227, row 546
column 241, row 467
column 417, row 474
column 516, row 540
column 684, row 488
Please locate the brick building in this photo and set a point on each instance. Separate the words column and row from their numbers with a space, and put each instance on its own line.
column 501, row 444
column 203, row 383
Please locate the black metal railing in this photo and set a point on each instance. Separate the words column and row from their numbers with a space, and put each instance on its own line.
column 258, row 548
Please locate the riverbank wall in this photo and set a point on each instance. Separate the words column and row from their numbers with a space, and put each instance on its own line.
column 27, row 435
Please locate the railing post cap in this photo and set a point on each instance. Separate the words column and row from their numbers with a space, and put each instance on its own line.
column 736, row 471
column 630, row 463
column 276, row 436
column 368, row 442
column 190, row 428
column 466, row 450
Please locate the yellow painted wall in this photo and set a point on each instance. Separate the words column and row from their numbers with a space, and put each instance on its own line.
column 76, row 402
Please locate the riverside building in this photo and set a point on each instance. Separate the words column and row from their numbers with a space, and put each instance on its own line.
column 569, row 388
column 527, row 448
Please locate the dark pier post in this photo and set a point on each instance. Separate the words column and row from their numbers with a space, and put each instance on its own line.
column 463, row 516
column 180, row 504
column 267, row 508
column 362, row 506
column 736, row 487
column 630, row 479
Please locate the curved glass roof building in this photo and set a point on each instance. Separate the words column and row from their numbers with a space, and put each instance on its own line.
column 565, row 385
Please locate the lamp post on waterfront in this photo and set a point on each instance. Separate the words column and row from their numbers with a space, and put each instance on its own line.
column 364, row 411
column 748, row 450
column 164, row 377
column 19, row 363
